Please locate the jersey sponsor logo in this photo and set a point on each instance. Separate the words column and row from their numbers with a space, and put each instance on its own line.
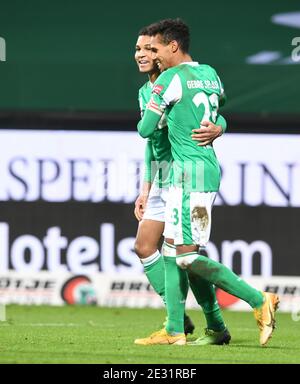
column 157, row 89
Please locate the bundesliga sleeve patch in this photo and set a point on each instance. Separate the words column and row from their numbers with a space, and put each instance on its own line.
column 157, row 89
column 154, row 107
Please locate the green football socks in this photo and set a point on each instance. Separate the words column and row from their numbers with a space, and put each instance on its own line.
column 205, row 295
column 154, row 268
column 222, row 277
column 203, row 291
column 177, row 286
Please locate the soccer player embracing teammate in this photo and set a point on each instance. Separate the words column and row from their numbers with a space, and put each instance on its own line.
column 150, row 210
column 187, row 93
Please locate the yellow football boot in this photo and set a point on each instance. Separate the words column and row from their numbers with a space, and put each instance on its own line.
column 162, row 338
column 265, row 317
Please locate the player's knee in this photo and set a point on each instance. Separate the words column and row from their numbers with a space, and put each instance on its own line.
column 185, row 261
column 143, row 249
column 138, row 248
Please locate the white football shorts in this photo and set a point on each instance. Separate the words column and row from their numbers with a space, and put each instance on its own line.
column 188, row 216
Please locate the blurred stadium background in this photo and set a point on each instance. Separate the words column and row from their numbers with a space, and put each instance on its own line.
column 71, row 160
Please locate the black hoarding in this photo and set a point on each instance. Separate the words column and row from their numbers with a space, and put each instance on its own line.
column 86, row 237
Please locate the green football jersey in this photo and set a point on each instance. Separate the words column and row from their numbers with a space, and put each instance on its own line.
column 158, row 149
column 187, row 94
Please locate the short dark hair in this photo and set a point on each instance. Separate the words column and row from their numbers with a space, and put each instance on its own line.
column 172, row 29
column 144, row 31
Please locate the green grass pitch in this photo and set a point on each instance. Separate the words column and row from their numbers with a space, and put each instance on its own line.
column 105, row 336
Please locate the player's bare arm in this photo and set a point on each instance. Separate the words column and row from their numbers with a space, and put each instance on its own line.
column 208, row 132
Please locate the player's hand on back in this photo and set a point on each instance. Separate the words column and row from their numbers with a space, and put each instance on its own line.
column 207, row 133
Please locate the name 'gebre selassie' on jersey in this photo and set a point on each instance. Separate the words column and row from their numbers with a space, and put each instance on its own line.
column 203, row 84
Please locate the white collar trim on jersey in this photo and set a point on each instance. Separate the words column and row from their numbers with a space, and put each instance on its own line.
column 192, row 63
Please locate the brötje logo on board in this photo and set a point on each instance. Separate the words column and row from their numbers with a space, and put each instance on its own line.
column 2, row 49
